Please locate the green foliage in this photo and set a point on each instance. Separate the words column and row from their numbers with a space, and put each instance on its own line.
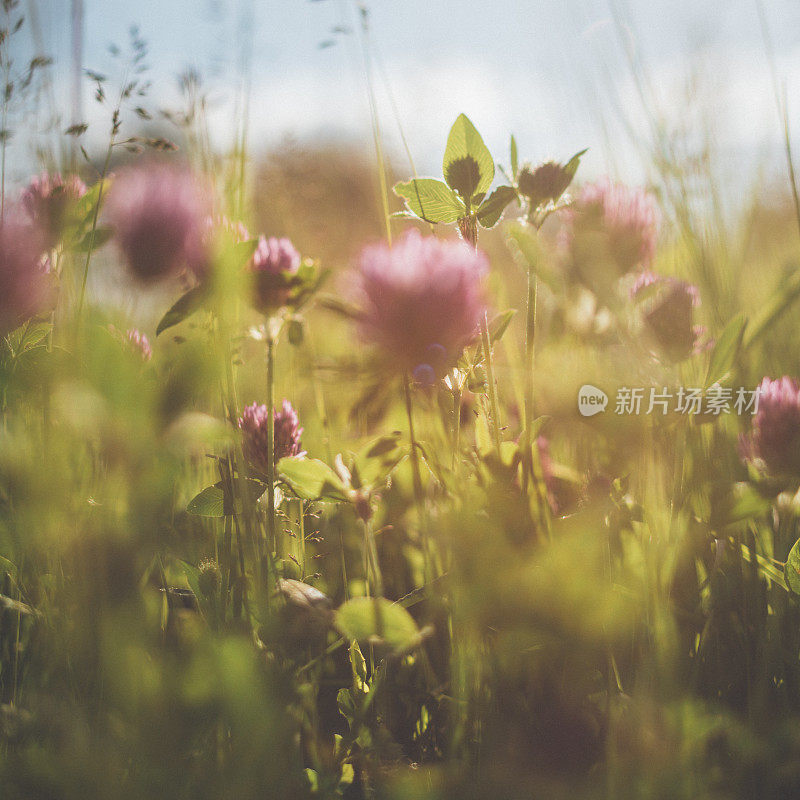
column 431, row 200
column 468, row 166
column 492, row 208
column 726, row 349
column 743, row 502
column 571, row 167
column 468, row 169
column 376, row 621
column 217, row 500
column 514, row 157
column 374, row 462
column 460, row 572
column 94, row 239
column 781, row 301
column 306, row 283
column 311, row 479
column 792, row 570
column 533, row 259
column 498, row 325
column 208, row 503
column 186, row 305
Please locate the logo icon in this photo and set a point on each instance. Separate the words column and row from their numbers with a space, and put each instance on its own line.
column 591, row 400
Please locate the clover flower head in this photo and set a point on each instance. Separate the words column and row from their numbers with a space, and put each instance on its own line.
column 543, row 184
column 422, row 301
column 48, row 200
column 612, row 224
column 139, row 343
column 775, row 436
column 275, row 255
column 274, row 264
column 25, row 286
column 668, row 313
column 253, row 425
column 158, row 213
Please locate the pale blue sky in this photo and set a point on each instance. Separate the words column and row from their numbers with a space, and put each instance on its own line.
column 551, row 71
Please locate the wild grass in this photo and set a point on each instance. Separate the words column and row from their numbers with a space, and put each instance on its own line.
column 449, row 583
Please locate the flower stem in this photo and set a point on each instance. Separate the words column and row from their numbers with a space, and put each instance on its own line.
column 490, row 384
column 343, row 556
column 456, row 422
column 468, row 227
column 301, row 524
column 271, row 526
column 418, row 492
column 530, row 340
column 531, row 461
column 375, row 123
column 371, row 561
column 93, row 232
column 530, row 343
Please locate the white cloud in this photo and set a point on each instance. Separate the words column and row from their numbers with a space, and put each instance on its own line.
column 554, row 110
